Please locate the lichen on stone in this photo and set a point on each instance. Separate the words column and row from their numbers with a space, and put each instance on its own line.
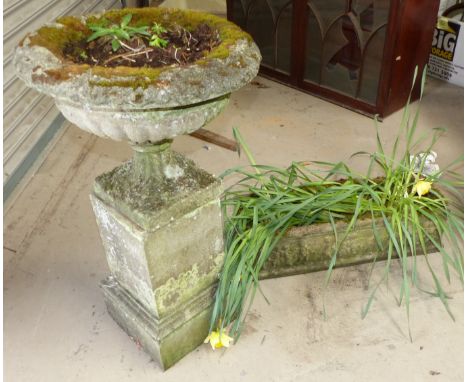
column 186, row 285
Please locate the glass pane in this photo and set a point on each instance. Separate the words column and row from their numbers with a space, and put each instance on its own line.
column 239, row 11
column 270, row 24
column 328, row 10
column 313, row 48
column 344, row 45
column 283, row 39
column 261, row 25
column 341, row 57
column 371, row 67
column 372, row 14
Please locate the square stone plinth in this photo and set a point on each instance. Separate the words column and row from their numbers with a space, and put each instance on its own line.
column 164, row 247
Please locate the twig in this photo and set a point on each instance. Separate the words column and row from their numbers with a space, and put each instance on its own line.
column 190, row 37
column 129, row 59
column 126, row 55
column 129, row 47
column 175, row 56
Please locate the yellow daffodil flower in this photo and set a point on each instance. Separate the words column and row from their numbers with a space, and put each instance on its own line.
column 218, row 340
column 422, row 187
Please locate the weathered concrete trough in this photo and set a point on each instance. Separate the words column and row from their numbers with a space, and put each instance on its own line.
column 309, row 248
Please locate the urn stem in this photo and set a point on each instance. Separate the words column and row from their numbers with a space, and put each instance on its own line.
column 150, row 160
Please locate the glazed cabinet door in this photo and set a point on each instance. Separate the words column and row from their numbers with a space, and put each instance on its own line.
column 323, row 46
column 360, row 54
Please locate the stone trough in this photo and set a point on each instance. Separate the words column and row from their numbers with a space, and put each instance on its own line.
column 309, row 248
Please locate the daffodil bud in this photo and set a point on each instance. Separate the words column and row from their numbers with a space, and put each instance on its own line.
column 422, row 187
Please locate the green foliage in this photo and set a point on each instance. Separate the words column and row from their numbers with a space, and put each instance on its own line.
column 158, row 29
column 124, row 31
column 267, row 201
column 156, row 39
column 117, row 32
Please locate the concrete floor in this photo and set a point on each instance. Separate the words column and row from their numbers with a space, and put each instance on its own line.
column 56, row 327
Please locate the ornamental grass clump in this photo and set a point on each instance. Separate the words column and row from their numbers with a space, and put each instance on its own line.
column 411, row 189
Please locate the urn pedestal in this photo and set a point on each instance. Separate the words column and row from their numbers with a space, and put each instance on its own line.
column 160, row 222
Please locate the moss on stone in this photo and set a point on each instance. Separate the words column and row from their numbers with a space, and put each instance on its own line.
column 73, row 30
column 55, row 39
column 146, row 176
column 185, row 338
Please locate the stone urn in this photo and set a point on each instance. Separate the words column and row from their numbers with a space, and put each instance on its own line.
column 158, row 214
